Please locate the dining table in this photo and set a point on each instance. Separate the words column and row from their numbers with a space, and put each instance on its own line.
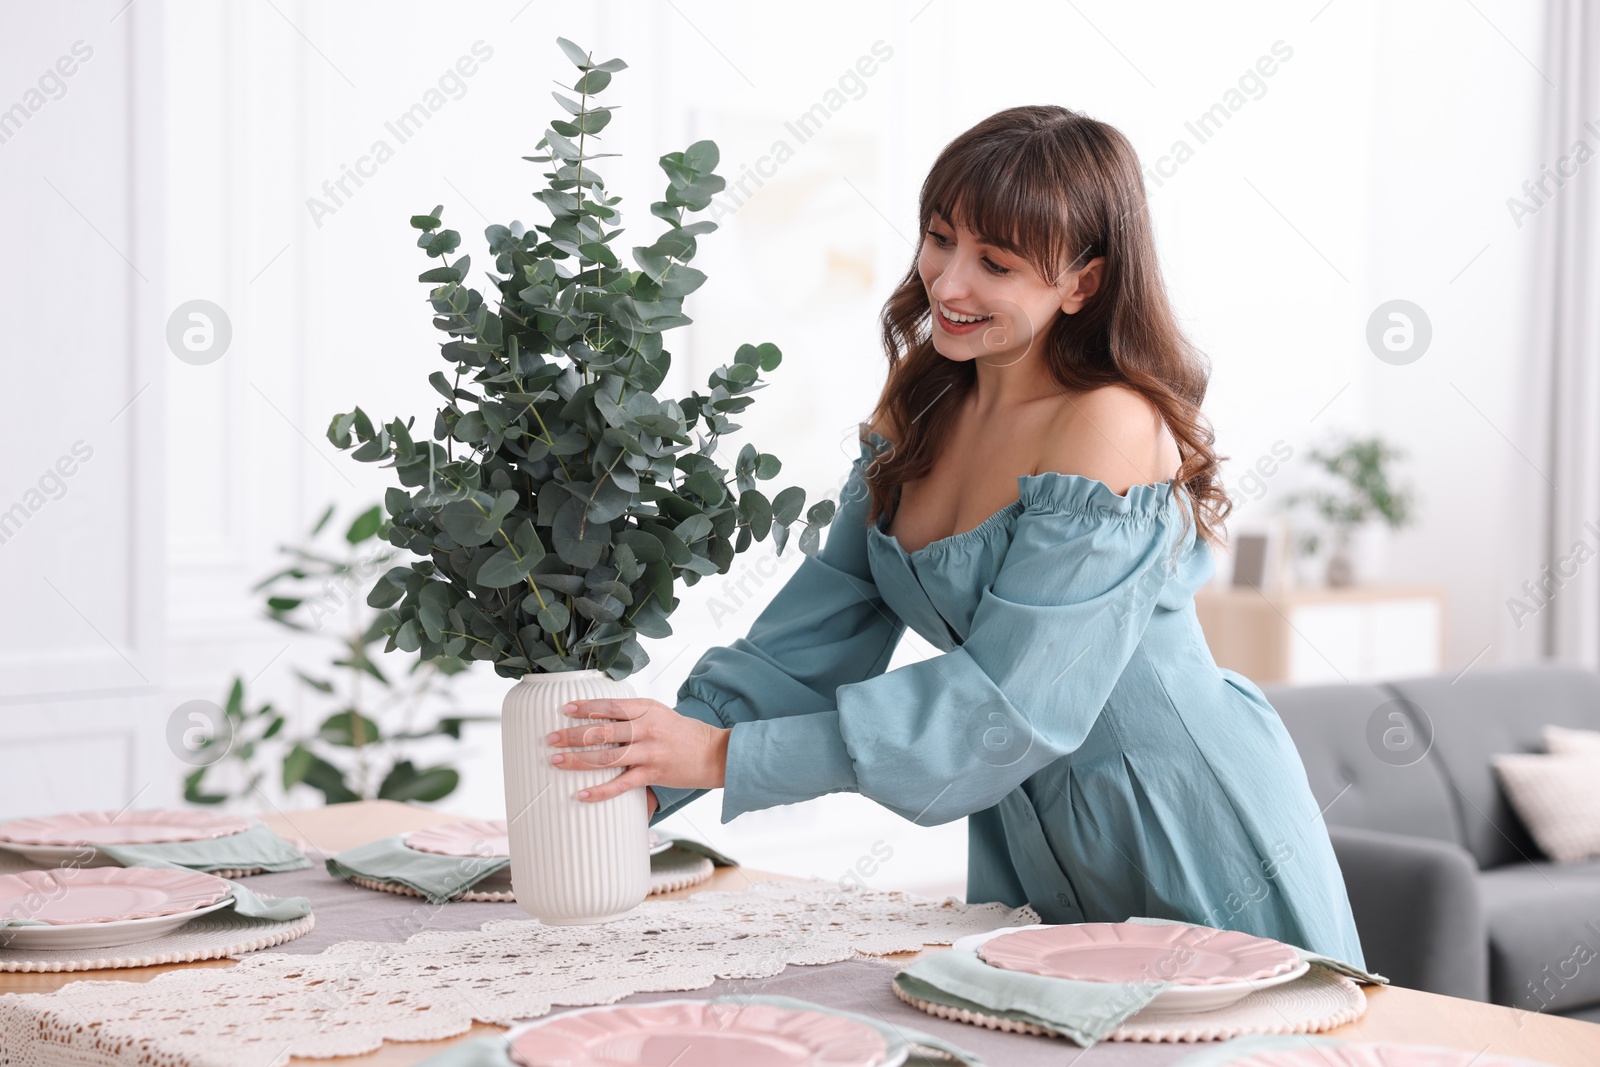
column 1393, row 1013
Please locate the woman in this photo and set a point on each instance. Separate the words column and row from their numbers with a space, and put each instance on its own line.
column 1036, row 497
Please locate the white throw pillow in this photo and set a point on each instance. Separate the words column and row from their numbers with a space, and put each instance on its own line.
column 1565, row 741
column 1557, row 800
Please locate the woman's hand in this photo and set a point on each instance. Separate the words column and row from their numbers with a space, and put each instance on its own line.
column 652, row 742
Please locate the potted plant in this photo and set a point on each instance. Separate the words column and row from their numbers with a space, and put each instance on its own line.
column 373, row 728
column 1366, row 492
column 551, row 543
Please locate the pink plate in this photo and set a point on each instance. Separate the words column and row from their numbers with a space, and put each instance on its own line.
column 121, row 828
column 475, row 837
column 69, row 895
column 1135, row 952
column 698, row 1033
column 1375, row 1055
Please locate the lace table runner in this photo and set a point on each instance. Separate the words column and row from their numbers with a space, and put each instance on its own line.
column 356, row 994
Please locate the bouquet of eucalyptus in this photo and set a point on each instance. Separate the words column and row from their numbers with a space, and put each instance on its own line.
column 578, row 497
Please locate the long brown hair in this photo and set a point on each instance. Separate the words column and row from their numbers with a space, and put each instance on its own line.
column 1056, row 188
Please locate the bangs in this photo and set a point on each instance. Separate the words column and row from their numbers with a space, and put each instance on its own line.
column 1011, row 199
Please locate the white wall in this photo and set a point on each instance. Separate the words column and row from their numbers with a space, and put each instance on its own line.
column 82, row 636
column 1374, row 165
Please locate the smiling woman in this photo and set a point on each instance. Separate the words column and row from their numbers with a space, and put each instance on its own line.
column 1036, row 498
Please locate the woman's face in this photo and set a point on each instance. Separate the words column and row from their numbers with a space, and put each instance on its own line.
column 970, row 279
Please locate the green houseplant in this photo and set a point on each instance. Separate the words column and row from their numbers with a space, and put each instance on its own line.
column 1359, row 468
column 557, row 499
column 365, row 746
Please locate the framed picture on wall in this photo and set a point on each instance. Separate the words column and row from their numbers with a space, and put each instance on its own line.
column 1259, row 552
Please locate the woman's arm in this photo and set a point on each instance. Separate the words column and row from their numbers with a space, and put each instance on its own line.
column 953, row 734
column 825, row 628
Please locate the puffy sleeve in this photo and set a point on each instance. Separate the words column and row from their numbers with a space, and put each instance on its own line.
column 953, row 734
column 827, row 627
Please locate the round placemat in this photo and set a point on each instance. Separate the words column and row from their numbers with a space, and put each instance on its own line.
column 669, row 871
column 474, row 895
column 1318, row 1000
column 678, row 868
column 209, row 937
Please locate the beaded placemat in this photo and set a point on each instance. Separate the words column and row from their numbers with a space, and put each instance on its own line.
column 1318, row 1000
column 208, row 937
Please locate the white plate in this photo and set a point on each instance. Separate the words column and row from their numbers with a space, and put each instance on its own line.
column 1175, row 999
column 100, row 935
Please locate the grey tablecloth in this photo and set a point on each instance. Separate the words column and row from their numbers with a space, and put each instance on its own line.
column 346, row 912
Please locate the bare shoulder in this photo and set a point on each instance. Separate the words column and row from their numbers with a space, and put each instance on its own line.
column 1113, row 434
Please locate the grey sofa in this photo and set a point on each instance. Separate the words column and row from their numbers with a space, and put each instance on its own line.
column 1450, row 893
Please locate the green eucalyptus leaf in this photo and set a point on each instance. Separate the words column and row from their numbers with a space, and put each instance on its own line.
column 505, row 568
column 787, row 504
column 579, row 57
column 809, row 540
column 554, row 619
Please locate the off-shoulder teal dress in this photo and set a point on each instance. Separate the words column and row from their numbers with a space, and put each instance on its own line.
column 1107, row 765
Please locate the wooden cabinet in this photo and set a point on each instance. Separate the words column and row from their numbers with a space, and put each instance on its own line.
column 1356, row 634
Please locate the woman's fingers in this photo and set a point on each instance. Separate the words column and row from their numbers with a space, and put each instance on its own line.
column 594, row 758
column 618, row 733
column 632, row 778
column 609, row 707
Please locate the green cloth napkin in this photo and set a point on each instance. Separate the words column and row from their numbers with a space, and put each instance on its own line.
column 1083, row 1011
column 244, row 901
column 924, row 1048
column 253, row 906
column 436, row 877
column 256, row 847
column 689, row 844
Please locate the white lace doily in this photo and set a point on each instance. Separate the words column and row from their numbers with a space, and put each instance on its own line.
column 350, row 998
column 1318, row 1000
column 209, row 937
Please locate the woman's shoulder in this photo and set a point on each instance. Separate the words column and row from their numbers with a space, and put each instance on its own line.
column 1113, row 435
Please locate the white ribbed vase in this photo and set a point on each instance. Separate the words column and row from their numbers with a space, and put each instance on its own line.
column 572, row 861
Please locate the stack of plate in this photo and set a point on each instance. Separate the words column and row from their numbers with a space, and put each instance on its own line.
column 68, row 840
column 482, row 839
column 1208, row 968
column 104, row 906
